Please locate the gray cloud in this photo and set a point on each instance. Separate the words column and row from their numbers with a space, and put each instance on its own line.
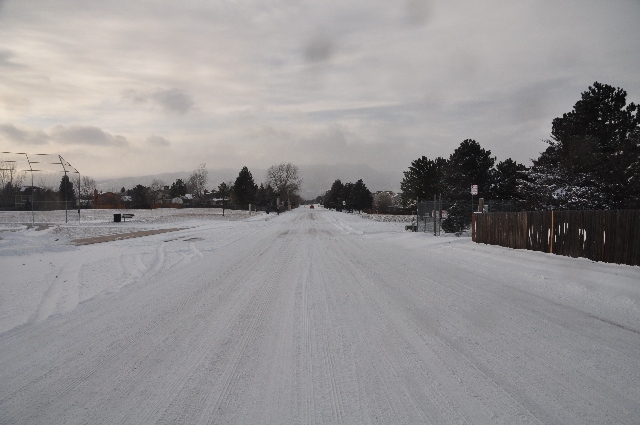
column 174, row 101
column 318, row 82
column 418, row 11
column 6, row 58
column 158, row 141
column 87, row 135
column 319, row 49
column 10, row 133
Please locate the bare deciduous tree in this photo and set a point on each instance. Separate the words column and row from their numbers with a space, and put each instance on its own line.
column 382, row 200
column 87, row 186
column 155, row 189
column 10, row 181
column 9, row 173
column 284, row 179
column 198, row 180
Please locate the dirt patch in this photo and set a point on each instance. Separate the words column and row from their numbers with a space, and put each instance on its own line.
column 109, row 238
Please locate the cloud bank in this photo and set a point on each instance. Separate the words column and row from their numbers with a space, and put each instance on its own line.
column 254, row 83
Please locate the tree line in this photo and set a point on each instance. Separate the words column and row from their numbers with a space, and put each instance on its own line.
column 592, row 161
column 12, row 184
column 348, row 196
column 282, row 184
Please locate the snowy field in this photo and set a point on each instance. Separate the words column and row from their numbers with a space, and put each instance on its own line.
column 311, row 316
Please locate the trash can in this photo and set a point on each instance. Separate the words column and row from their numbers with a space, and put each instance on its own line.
column 117, row 218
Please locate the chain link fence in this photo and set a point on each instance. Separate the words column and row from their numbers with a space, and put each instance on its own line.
column 430, row 216
column 449, row 216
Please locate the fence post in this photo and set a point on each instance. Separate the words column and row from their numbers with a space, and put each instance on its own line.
column 440, row 215
column 551, row 235
column 435, row 204
column 473, row 227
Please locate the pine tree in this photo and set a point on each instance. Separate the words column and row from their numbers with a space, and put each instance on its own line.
column 333, row 197
column 178, row 188
column 140, row 197
column 508, row 181
column 468, row 165
column 66, row 191
column 589, row 163
column 362, row 199
column 244, row 189
column 224, row 191
column 423, row 180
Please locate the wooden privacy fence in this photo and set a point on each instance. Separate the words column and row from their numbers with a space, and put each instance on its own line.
column 608, row 236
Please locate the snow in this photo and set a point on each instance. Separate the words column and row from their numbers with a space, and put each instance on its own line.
column 311, row 316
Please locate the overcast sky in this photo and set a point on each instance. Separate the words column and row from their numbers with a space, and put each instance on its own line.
column 126, row 88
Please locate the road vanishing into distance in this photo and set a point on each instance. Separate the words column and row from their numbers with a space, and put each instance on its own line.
column 316, row 317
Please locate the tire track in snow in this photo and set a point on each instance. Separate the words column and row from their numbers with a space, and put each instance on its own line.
column 515, row 403
column 441, row 358
column 306, row 348
column 343, row 313
column 189, row 401
column 371, row 333
column 64, row 385
column 61, row 294
column 246, row 320
column 258, row 307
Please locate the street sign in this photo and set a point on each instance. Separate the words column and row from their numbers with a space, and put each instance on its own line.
column 474, row 189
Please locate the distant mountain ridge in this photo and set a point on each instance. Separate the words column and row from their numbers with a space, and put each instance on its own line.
column 316, row 179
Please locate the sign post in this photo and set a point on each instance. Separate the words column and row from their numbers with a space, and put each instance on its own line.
column 474, row 191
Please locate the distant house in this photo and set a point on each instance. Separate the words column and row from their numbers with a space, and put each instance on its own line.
column 108, row 200
column 25, row 196
column 209, row 199
column 188, row 199
column 168, row 202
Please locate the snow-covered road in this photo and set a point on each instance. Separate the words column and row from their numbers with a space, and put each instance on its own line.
column 312, row 317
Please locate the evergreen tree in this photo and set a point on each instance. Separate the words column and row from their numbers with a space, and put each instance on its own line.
column 224, row 191
column 469, row 164
column 140, row 197
column 178, row 188
column 509, row 178
column 458, row 218
column 66, row 191
column 632, row 172
column 244, row 188
column 265, row 196
column 423, row 180
column 346, row 194
column 8, row 194
column 362, row 199
column 333, row 197
column 589, row 163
